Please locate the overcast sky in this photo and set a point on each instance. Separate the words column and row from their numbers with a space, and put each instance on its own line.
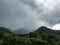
column 29, row 14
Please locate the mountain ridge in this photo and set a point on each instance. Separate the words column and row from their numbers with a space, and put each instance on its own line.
column 3, row 29
column 44, row 29
column 41, row 29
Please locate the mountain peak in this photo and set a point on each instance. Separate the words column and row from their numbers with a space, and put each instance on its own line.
column 44, row 29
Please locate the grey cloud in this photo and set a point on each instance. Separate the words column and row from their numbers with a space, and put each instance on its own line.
column 34, row 6
column 53, row 16
column 8, row 17
column 29, row 2
column 16, row 14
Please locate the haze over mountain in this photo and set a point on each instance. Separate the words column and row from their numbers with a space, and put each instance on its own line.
column 21, row 31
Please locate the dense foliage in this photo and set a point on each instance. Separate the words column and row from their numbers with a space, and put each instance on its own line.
column 32, row 38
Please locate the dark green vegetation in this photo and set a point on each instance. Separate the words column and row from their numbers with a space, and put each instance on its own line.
column 33, row 38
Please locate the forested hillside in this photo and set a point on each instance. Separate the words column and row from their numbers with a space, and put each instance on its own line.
column 29, row 39
column 33, row 38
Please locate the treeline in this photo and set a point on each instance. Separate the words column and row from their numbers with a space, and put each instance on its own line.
column 32, row 38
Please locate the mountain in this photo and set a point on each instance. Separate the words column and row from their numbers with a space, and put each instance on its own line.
column 2, row 29
column 46, row 30
column 41, row 30
column 21, row 31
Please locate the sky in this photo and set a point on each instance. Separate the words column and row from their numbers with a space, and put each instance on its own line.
column 30, row 14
